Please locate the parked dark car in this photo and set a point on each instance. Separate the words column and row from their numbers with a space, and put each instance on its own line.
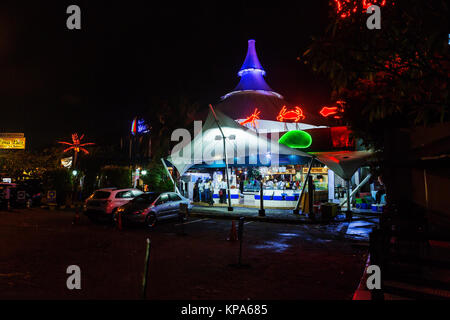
column 152, row 207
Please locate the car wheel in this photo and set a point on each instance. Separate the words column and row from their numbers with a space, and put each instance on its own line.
column 150, row 221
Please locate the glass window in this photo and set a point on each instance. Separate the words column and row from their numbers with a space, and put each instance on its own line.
column 163, row 198
column 147, row 198
column 137, row 192
column 101, row 195
column 124, row 194
column 174, row 197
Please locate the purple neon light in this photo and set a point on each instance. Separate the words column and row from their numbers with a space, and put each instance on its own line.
column 251, row 59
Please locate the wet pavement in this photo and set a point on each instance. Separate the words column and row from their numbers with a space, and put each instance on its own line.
column 286, row 261
column 284, row 216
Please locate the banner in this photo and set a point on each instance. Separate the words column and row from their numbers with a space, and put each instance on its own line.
column 12, row 142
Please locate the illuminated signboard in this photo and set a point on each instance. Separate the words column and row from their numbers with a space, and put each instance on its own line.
column 318, row 170
column 296, row 139
column 327, row 111
column 252, row 118
column 295, row 114
column 138, row 126
column 341, row 138
column 12, row 141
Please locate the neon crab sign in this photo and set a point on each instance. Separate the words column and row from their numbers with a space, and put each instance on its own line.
column 295, row 114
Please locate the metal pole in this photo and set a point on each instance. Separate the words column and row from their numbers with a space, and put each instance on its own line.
column 261, row 211
column 297, row 207
column 146, row 263
column 310, row 198
column 230, row 208
column 349, row 210
column 170, row 176
column 357, row 188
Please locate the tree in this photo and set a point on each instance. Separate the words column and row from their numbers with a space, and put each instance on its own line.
column 19, row 163
column 392, row 79
column 58, row 179
column 176, row 112
column 115, row 176
column 157, row 178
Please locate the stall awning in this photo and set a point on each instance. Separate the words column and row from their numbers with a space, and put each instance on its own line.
column 243, row 146
column 343, row 163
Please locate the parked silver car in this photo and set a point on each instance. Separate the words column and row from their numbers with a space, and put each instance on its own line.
column 103, row 203
column 151, row 207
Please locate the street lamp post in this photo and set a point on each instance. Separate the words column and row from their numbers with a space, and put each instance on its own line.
column 230, row 208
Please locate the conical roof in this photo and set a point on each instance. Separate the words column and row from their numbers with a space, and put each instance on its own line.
column 253, row 92
column 252, row 73
column 251, row 59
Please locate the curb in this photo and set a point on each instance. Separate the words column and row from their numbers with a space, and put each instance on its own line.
column 252, row 218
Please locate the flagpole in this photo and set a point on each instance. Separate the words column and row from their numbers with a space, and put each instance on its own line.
column 230, row 208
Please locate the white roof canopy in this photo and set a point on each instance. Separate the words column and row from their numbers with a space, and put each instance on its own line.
column 343, row 163
column 243, row 146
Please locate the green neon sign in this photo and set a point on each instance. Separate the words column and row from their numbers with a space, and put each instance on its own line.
column 296, row 139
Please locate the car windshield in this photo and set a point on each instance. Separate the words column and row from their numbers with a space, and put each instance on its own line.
column 146, row 198
column 101, row 195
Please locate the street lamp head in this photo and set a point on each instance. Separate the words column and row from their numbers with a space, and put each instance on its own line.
column 144, row 172
column 74, row 173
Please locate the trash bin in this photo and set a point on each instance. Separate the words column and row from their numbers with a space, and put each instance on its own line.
column 329, row 210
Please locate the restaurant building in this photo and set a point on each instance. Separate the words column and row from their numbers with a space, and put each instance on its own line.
column 303, row 144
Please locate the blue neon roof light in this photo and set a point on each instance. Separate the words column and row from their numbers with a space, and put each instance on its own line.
column 251, row 72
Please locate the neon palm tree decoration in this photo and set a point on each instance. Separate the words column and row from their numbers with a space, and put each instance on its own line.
column 77, row 146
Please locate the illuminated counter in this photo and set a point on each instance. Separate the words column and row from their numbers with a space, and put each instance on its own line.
column 273, row 198
column 234, row 195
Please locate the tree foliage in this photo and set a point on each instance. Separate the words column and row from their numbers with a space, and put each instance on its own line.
column 157, row 178
column 393, row 77
column 19, row 163
column 173, row 113
column 60, row 180
column 115, row 176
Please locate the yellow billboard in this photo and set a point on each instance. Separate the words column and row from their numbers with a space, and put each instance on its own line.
column 12, row 142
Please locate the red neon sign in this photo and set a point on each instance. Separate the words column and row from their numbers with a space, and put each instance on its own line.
column 328, row 111
column 295, row 115
column 340, row 137
column 252, row 118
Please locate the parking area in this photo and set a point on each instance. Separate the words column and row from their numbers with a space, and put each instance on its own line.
column 285, row 261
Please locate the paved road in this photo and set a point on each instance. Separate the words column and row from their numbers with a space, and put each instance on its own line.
column 285, row 261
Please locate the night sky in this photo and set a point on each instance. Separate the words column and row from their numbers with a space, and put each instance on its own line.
column 55, row 81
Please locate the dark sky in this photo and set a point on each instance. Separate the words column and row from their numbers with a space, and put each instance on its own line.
column 55, row 81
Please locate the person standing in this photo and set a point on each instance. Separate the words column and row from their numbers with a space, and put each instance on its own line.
column 223, row 191
column 195, row 196
column 241, row 185
column 201, row 190
column 211, row 192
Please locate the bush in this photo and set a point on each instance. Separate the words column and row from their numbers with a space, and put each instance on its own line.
column 115, row 176
column 157, row 178
column 60, row 181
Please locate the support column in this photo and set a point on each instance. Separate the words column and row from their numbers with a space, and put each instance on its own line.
column 348, row 214
column 261, row 211
column 230, row 208
column 297, row 207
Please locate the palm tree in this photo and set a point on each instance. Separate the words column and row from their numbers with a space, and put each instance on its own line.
column 76, row 146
